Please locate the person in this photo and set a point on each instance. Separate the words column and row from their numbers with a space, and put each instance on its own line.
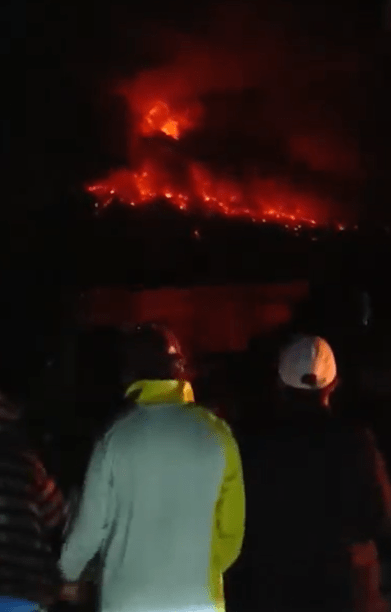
column 318, row 494
column 163, row 499
column 31, row 509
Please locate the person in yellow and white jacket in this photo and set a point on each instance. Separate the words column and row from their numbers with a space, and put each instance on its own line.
column 163, row 500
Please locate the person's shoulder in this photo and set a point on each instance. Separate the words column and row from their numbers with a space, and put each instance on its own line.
column 118, row 427
column 354, row 427
column 200, row 412
column 15, row 441
column 357, row 433
column 364, row 435
column 217, row 425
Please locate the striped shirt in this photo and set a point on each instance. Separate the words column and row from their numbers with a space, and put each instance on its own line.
column 50, row 498
column 30, row 506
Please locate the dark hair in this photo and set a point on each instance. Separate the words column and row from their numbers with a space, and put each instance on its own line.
column 306, row 397
column 310, row 380
column 152, row 352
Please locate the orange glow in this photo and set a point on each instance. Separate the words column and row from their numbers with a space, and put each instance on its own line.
column 242, row 117
column 159, row 172
column 161, row 118
column 263, row 200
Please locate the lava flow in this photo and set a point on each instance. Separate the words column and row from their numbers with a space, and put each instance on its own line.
column 263, row 200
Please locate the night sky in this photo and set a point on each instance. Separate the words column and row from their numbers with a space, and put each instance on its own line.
column 61, row 127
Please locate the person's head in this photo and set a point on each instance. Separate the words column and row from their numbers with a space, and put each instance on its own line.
column 307, row 371
column 11, row 393
column 152, row 352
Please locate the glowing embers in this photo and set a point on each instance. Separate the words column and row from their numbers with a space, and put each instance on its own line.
column 150, row 182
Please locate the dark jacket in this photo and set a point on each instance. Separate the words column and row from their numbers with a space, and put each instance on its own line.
column 317, row 494
column 30, row 507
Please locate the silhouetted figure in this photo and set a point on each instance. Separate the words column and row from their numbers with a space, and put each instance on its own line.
column 317, row 495
column 163, row 500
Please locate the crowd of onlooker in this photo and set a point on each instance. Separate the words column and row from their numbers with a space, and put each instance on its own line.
column 296, row 487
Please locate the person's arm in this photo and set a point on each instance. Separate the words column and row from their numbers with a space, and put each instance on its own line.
column 89, row 530
column 384, row 491
column 76, row 592
column 230, row 508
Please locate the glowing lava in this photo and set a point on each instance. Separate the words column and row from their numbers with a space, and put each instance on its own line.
column 262, row 200
column 268, row 105
column 161, row 118
column 153, row 178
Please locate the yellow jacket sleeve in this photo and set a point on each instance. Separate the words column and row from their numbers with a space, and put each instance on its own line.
column 230, row 508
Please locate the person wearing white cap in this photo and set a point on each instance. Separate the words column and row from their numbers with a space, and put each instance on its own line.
column 309, row 364
column 317, row 496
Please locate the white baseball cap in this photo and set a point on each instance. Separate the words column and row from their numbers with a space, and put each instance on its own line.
column 307, row 363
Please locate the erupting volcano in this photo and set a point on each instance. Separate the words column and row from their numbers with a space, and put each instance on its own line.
column 168, row 107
